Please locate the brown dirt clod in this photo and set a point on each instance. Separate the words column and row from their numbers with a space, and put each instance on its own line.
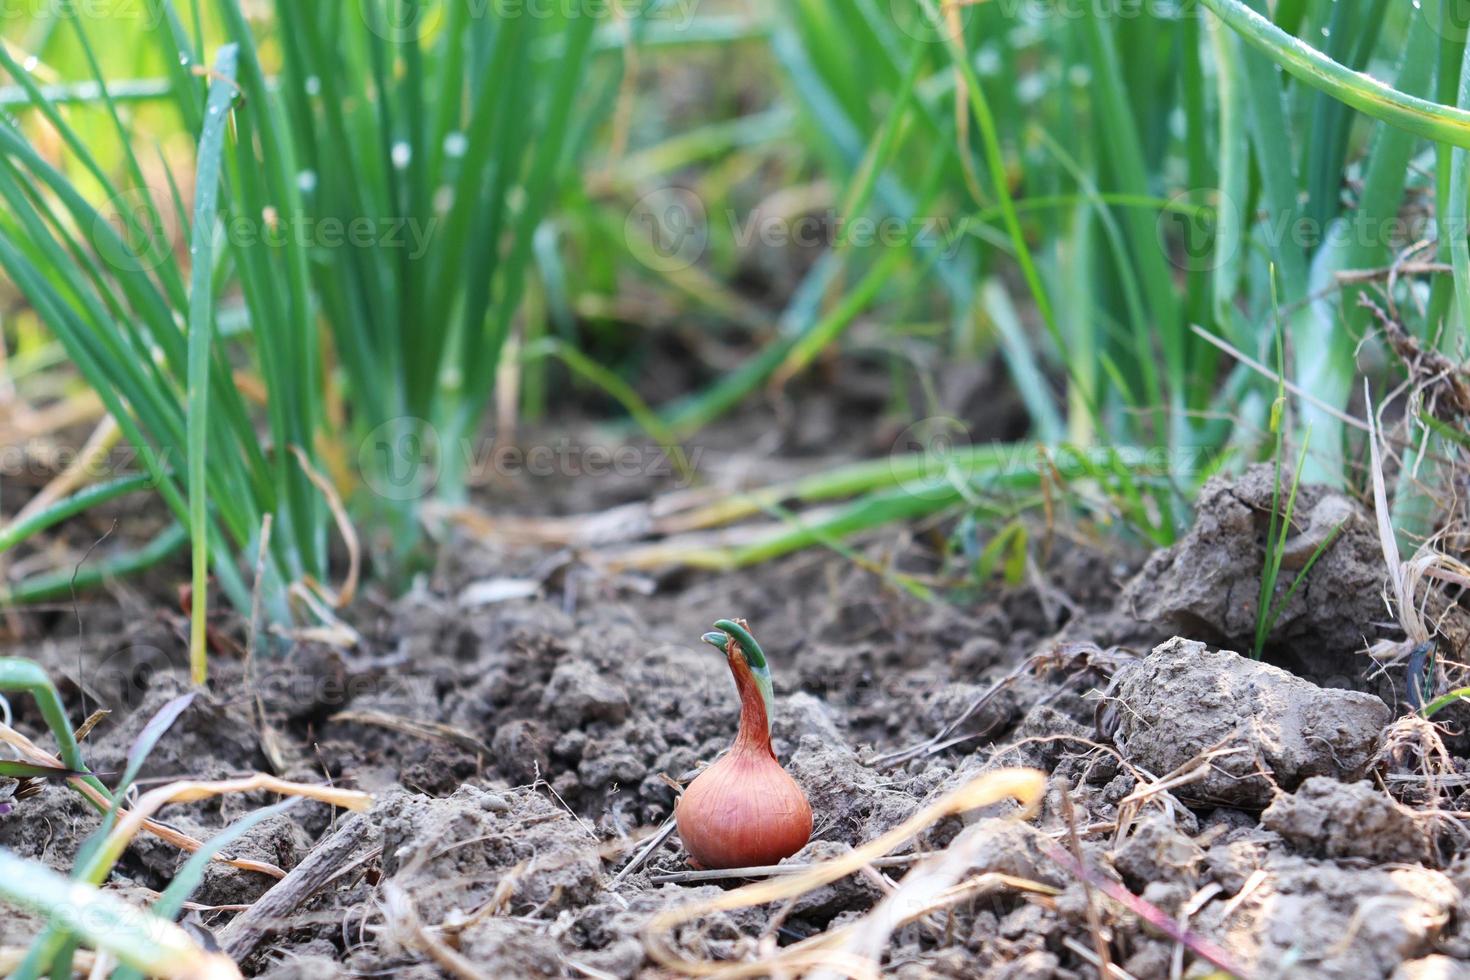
column 1184, row 700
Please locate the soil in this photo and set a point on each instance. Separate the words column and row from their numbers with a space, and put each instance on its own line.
column 522, row 749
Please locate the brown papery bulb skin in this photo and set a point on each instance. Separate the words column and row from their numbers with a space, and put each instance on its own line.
column 745, row 810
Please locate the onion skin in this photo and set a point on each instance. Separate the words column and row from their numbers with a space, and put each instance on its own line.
column 745, row 810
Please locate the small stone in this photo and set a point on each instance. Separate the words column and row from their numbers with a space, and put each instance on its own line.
column 494, row 803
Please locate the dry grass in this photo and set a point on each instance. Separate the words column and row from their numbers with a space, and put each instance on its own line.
column 856, row 950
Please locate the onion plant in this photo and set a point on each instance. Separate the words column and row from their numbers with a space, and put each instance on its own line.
column 1134, row 177
column 368, row 184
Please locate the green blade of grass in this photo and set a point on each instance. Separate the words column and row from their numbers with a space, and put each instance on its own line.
column 1301, row 576
column 1326, row 345
column 855, row 201
column 201, row 337
column 1423, row 118
column 292, row 378
column 1445, row 700
column 1453, row 28
column 694, row 414
column 120, row 91
column 56, row 945
column 18, row 531
column 1457, row 211
column 29, row 770
column 617, row 389
column 995, row 161
column 60, row 584
column 1126, row 154
column 153, row 224
column 17, row 674
column 146, row 942
column 481, row 354
column 1350, row 34
column 1276, row 537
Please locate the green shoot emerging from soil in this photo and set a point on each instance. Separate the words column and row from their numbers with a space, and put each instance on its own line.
column 755, row 657
column 1279, row 521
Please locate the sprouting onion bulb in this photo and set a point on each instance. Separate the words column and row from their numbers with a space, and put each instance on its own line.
column 745, row 810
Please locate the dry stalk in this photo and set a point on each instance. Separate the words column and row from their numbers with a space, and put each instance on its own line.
column 1190, row 771
column 1026, row 786
column 100, row 800
column 408, row 929
column 432, row 730
column 344, row 596
column 1094, row 916
column 136, row 819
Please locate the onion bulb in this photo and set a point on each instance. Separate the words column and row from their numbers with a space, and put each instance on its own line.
column 745, row 810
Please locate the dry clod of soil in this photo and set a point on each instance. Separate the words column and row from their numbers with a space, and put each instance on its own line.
column 1156, row 852
column 1432, row 968
column 1035, row 965
column 578, row 693
column 1012, row 850
column 1325, row 818
column 1318, row 919
column 829, row 901
column 853, row 803
column 280, row 839
column 455, row 854
column 1184, row 699
column 1208, row 584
